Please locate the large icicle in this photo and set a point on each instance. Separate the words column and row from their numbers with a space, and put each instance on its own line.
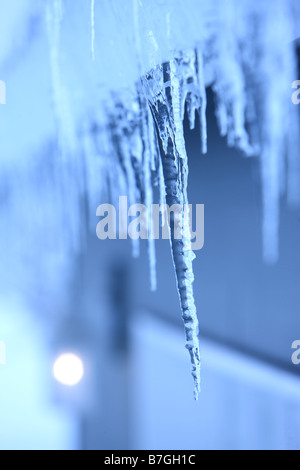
column 175, row 170
column 148, row 190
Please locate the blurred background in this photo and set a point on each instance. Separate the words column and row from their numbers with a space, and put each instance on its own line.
column 130, row 386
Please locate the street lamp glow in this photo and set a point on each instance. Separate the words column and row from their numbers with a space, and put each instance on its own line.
column 68, row 369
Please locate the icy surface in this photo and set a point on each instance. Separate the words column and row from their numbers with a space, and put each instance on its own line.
column 122, row 76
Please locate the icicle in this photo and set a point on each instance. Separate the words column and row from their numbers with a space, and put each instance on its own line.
column 162, row 191
column 125, row 128
column 222, row 118
column 175, row 172
column 190, row 93
column 131, row 185
column 54, row 15
column 278, row 61
column 183, row 265
column 177, row 110
column 152, row 140
column 147, row 139
column 203, row 100
column 69, row 170
column 93, row 29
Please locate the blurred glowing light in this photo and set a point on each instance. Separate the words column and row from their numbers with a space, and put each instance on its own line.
column 68, row 369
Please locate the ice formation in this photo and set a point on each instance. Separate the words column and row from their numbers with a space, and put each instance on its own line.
column 120, row 115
